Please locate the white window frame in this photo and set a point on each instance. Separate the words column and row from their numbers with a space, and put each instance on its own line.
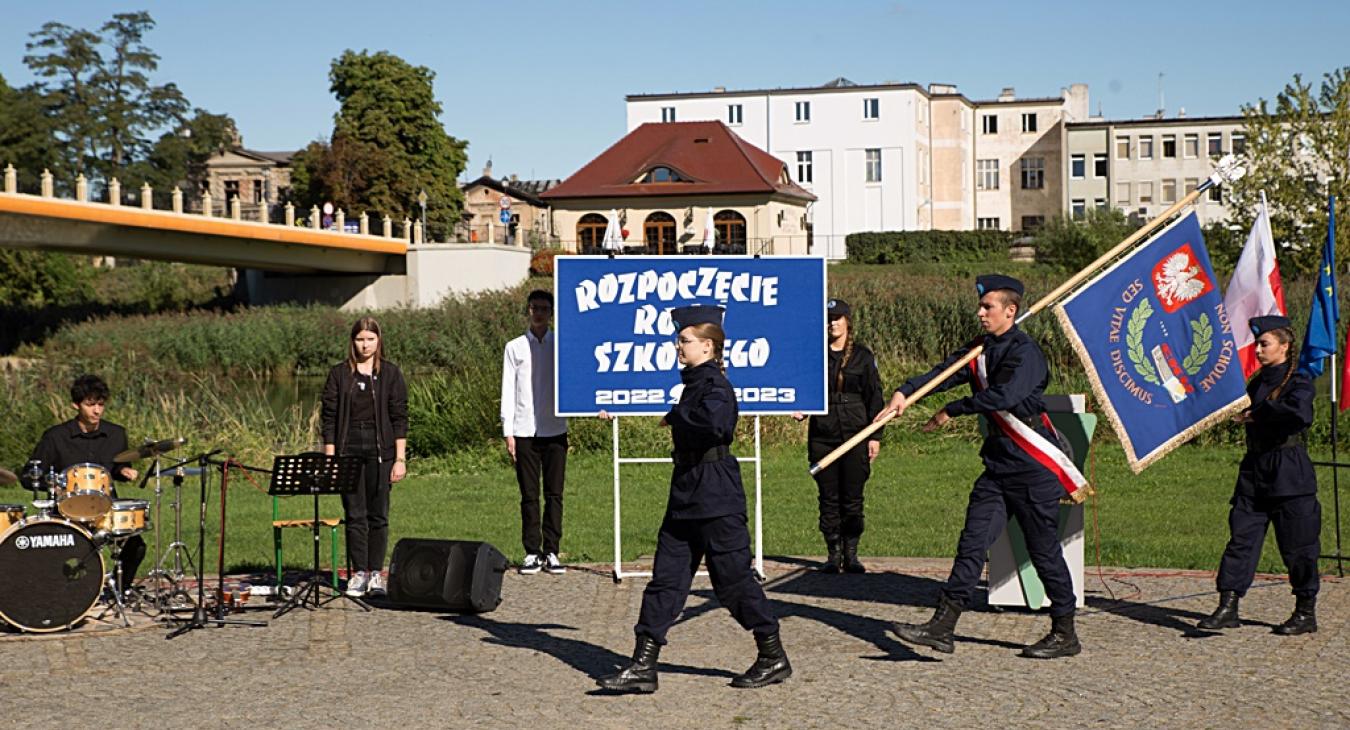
column 1099, row 203
column 1210, row 139
column 872, row 165
column 1100, row 158
column 802, row 112
column 667, row 114
column 1078, row 207
column 1236, row 140
column 805, row 167
column 871, row 109
column 1187, row 140
column 986, row 122
column 1146, row 154
column 1081, row 161
column 1123, row 187
column 1145, row 192
column 987, row 224
column 1033, row 170
column 1216, row 194
column 1126, row 139
column 1165, row 139
column 986, row 174
column 1164, row 195
column 735, row 115
column 1035, row 122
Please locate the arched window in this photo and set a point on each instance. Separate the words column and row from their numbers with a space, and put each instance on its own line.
column 591, row 232
column 731, row 229
column 661, row 174
column 659, row 233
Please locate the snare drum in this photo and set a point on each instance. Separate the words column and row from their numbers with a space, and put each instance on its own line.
column 10, row 514
column 84, row 493
column 127, row 517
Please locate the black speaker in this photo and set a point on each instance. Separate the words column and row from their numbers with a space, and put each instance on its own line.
column 458, row 575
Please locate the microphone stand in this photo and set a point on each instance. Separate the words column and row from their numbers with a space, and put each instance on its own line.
column 225, row 465
column 200, row 619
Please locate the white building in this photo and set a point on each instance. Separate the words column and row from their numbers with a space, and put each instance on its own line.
column 867, row 151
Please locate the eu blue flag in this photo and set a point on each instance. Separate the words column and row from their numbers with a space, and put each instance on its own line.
column 1320, row 341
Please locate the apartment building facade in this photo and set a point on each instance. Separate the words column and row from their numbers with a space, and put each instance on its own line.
column 896, row 156
column 1143, row 166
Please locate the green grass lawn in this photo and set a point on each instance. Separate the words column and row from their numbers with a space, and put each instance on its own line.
column 1173, row 515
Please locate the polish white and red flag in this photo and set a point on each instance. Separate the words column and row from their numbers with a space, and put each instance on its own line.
column 1255, row 289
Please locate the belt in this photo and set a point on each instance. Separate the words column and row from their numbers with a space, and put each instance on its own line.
column 846, row 398
column 694, row 458
column 1260, row 446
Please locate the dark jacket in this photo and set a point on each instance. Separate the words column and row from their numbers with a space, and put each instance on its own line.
column 706, row 481
column 1276, row 463
column 391, row 406
column 854, row 406
column 1017, row 375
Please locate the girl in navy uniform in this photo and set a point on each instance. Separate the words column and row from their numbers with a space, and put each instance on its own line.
column 705, row 517
column 1275, row 484
column 855, row 399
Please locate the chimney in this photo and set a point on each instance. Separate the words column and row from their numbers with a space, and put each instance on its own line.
column 1008, row 94
column 719, row 89
column 1181, row 113
column 487, row 169
column 936, row 89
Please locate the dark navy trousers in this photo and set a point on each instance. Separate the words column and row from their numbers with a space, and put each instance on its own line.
column 1035, row 504
column 1298, row 527
column 681, row 546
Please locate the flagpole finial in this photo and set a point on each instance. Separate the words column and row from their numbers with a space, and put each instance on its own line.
column 1227, row 171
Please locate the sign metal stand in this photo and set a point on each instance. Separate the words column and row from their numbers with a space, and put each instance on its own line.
column 619, row 573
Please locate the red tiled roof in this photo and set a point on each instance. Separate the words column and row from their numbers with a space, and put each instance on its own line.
column 713, row 158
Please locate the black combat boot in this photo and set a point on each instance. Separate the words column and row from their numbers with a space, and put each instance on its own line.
column 1060, row 642
column 937, row 632
column 770, row 667
column 640, row 676
column 834, row 560
column 851, row 564
column 1226, row 615
column 1304, row 620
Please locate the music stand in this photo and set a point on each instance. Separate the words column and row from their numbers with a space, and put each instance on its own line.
column 315, row 474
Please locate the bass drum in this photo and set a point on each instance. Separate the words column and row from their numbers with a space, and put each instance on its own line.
column 51, row 574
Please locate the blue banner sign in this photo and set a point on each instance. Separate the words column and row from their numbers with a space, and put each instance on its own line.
column 1156, row 342
column 615, row 344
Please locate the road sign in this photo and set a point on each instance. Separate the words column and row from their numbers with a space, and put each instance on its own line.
column 505, row 216
column 505, row 203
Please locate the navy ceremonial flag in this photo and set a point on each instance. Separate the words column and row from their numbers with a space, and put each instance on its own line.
column 1319, row 342
column 1153, row 336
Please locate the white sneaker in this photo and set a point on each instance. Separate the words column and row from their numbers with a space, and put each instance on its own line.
column 533, row 564
column 356, row 585
column 553, row 565
column 377, row 585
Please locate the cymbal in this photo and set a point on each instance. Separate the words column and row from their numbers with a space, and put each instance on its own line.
column 149, row 449
column 7, row 477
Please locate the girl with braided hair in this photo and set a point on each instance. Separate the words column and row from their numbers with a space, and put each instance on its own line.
column 855, row 399
column 1275, row 484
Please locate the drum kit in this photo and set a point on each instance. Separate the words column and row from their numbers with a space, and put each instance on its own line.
column 52, row 567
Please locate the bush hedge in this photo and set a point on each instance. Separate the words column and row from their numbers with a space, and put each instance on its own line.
column 901, row 247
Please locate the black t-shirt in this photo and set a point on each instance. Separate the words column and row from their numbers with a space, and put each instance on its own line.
column 363, row 399
column 65, row 445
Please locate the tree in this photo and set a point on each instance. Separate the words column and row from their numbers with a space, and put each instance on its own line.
column 180, row 156
column 1076, row 242
column 1298, row 151
column 387, row 144
column 25, row 134
column 97, row 93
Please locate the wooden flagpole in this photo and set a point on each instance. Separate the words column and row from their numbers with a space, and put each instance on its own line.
column 1227, row 170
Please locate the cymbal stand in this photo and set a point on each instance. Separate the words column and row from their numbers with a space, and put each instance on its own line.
column 177, row 550
column 200, row 619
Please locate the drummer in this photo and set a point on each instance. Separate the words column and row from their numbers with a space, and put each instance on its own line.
column 88, row 438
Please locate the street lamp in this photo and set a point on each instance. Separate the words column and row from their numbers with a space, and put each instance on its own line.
column 422, row 201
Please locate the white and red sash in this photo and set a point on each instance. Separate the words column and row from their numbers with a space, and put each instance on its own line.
column 1040, row 448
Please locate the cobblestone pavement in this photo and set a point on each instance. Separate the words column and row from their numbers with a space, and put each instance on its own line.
column 531, row 663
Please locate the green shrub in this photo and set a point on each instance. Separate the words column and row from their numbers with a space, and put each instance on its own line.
column 902, row 247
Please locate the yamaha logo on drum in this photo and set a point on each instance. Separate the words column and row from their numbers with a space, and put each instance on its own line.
column 23, row 542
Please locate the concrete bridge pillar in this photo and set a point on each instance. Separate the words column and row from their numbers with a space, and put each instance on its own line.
column 314, row 221
column 341, row 219
column 81, row 188
column 407, row 230
column 206, row 204
column 47, row 191
column 11, row 179
column 177, row 200
column 290, row 214
column 388, row 228
column 114, row 192
column 147, row 197
column 235, row 211
column 365, row 224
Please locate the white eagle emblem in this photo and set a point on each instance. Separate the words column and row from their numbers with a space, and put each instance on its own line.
column 1179, row 280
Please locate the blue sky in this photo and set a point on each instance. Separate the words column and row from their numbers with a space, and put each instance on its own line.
column 539, row 86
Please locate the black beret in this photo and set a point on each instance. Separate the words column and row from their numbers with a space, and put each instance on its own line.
column 839, row 308
column 697, row 314
column 989, row 282
column 1262, row 325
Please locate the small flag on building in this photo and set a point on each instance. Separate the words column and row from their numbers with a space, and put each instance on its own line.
column 1157, row 344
